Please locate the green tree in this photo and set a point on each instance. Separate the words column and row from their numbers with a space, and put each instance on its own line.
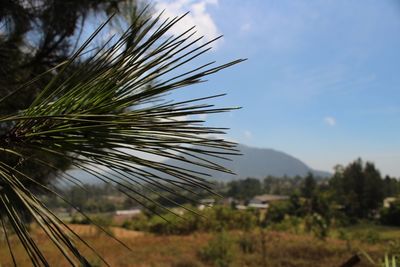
column 391, row 186
column 358, row 187
column 245, row 189
column 373, row 187
column 309, row 186
column 101, row 116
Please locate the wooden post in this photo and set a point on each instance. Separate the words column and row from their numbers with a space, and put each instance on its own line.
column 353, row 261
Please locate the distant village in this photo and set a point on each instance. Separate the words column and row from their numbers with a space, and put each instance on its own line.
column 259, row 202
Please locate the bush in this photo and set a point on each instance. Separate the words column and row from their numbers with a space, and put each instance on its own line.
column 288, row 224
column 215, row 219
column 160, row 226
column 246, row 243
column 218, row 252
column 219, row 218
column 137, row 223
column 318, row 225
column 277, row 212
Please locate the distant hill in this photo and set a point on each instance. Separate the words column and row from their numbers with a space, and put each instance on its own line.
column 259, row 163
column 255, row 162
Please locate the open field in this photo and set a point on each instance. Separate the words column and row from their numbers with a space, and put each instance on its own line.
column 281, row 249
column 90, row 231
column 383, row 232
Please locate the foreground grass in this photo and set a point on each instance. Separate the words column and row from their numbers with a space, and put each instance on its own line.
column 280, row 249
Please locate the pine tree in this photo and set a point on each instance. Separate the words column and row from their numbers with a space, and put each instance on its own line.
column 103, row 116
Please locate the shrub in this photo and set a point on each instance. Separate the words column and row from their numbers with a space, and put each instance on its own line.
column 276, row 212
column 246, row 243
column 288, row 224
column 316, row 224
column 215, row 219
column 219, row 218
column 138, row 223
column 218, row 252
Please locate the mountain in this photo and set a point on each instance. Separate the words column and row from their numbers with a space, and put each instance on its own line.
column 255, row 162
column 259, row 163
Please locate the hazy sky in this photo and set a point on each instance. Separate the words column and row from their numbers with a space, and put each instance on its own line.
column 321, row 81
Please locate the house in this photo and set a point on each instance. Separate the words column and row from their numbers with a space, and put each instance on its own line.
column 205, row 203
column 258, row 206
column 127, row 213
column 226, row 201
column 122, row 215
column 241, row 207
column 388, row 201
column 263, row 201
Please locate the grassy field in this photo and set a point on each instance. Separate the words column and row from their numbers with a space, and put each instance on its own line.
column 384, row 232
column 279, row 249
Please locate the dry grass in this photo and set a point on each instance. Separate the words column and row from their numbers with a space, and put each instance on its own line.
column 281, row 249
column 90, row 231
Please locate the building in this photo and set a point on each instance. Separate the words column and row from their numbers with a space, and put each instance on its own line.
column 388, row 201
column 205, row 203
column 263, row 201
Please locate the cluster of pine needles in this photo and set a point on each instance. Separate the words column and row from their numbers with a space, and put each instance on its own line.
column 108, row 119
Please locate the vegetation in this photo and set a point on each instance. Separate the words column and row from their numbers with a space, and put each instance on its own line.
column 312, row 200
column 358, row 188
column 309, row 222
column 245, row 189
column 210, row 220
column 36, row 37
column 280, row 249
column 313, row 209
column 93, row 111
column 218, row 252
column 100, row 109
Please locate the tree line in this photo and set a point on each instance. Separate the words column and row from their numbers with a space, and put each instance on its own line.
column 354, row 192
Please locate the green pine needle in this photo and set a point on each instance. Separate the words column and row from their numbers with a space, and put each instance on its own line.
column 100, row 117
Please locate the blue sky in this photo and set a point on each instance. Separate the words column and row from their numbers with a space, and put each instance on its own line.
column 321, row 81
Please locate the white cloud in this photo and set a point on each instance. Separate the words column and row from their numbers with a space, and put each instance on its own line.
column 331, row 121
column 198, row 16
column 246, row 27
column 248, row 134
